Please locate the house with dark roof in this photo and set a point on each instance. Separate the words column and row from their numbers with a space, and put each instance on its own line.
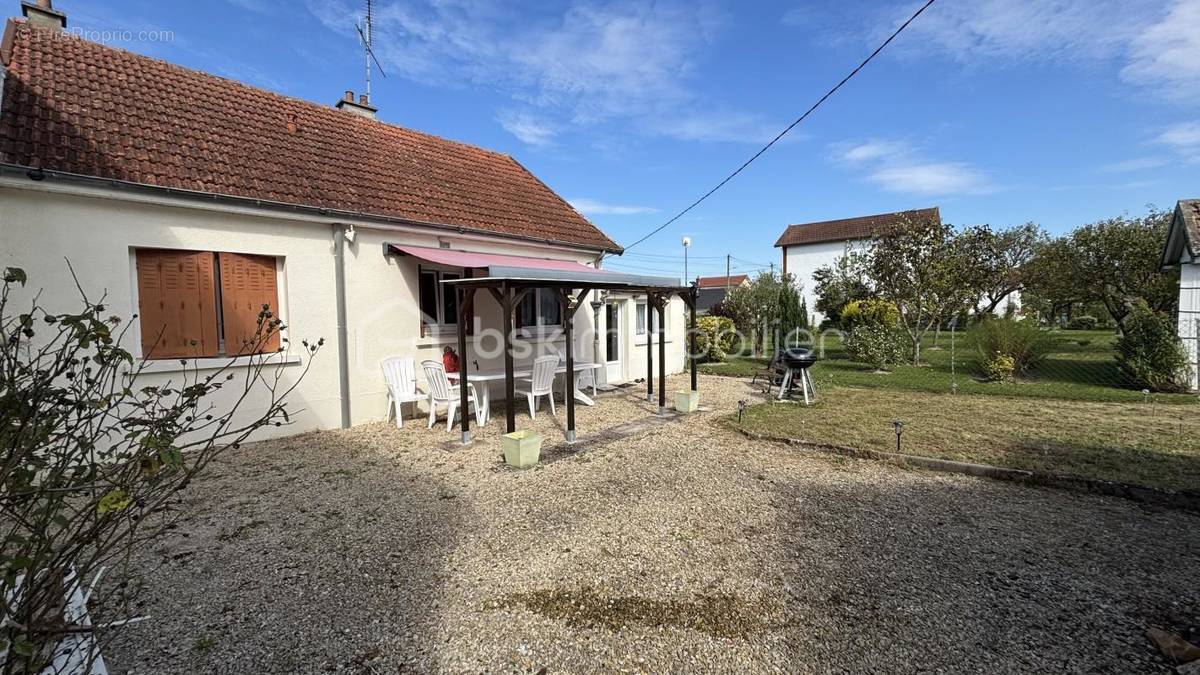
column 194, row 199
column 1182, row 250
column 711, row 290
column 806, row 247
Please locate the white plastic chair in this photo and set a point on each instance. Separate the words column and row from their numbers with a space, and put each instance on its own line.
column 400, row 374
column 541, row 384
column 584, row 378
column 441, row 391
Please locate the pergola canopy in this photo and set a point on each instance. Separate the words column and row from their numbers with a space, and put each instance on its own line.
column 525, row 271
column 508, row 278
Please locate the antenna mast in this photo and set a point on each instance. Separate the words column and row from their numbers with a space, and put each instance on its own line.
column 365, row 35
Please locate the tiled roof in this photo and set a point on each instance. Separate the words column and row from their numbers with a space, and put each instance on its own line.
column 719, row 282
column 79, row 107
column 849, row 228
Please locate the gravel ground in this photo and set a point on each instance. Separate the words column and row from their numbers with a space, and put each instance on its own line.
column 674, row 545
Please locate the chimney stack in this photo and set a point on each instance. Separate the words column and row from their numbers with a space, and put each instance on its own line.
column 361, row 107
column 41, row 13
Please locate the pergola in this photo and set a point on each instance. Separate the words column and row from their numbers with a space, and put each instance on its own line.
column 510, row 278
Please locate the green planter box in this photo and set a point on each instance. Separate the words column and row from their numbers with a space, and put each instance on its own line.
column 687, row 401
column 521, row 448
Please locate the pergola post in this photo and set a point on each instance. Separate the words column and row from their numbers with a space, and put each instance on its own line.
column 506, row 306
column 568, row 312
column 649, row 347
column 662, row 354
column 465, row 297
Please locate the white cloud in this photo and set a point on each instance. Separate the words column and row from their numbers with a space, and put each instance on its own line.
column 1154, row 43
column 592, row 207
column 898, row 166
column 875, row 149
column 527, row 128
column 1068, row 29
column 1133, row 164
column 592, row 62
column 1182, row 138
column 931, row 179
column 1165, row 55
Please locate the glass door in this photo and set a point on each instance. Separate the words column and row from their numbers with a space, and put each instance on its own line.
column 612, row 342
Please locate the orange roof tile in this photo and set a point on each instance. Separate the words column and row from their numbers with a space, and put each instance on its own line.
column 861, row 227
column 80, row 107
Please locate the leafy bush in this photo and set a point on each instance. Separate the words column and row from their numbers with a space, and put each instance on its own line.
column 93, row 456
column 870, row 312
column 1084, row 322
column 716, row 337
column 876, row 345
column 999, row 368
column 1021, row 341
column 1150, row 353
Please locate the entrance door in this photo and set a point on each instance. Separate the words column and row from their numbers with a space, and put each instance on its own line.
column 612, row 343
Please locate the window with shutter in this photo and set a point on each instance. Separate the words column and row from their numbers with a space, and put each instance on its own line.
column 248, row 283
column 177, row 303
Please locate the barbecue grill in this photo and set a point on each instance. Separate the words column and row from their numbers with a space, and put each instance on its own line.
column 795, row 363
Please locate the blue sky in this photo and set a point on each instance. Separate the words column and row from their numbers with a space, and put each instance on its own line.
column 1059, row 112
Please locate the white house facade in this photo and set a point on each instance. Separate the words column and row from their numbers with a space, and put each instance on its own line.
column 806, row 247
column 136, row 170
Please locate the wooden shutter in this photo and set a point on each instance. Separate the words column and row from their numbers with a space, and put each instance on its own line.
column 247, row 283
column 177, row 303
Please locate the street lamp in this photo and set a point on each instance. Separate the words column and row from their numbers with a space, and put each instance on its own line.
column 687, row 243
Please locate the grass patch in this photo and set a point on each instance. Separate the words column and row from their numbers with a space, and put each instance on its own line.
column 1081, row 367
column 1144, row 443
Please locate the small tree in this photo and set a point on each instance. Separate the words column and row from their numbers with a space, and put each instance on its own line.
column 754, row 306
column 1116, row 262
column 90, row 456
column 839, row 284
column 1049, row 284
column 927, row 271
column 792, row 318
column 1002, row 257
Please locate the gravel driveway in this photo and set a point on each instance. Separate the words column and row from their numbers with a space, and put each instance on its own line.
column 679, row 546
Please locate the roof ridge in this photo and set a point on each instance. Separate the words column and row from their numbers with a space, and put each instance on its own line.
column 22, row 23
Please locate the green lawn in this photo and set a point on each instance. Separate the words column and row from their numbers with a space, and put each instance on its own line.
column 1081, row 368
column 1141, row 443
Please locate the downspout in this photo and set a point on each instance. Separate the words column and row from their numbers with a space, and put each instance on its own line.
column 339, row 272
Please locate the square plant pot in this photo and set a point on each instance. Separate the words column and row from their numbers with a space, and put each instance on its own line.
column 521, row 448
column 687, row 401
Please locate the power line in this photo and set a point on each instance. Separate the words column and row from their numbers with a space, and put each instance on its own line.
column 789, row 127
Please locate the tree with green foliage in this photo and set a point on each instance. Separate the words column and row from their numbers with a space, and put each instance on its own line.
column 928, row 271
column 1117, row 262
column 839, row 284
column 754, row 306
column 1050, row 288
column 792, row 319
column 1002, row 256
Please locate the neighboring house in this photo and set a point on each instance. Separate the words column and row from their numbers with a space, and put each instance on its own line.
column 809, row 246
column 712, row 290
column 1182, row 250
column 193, row 199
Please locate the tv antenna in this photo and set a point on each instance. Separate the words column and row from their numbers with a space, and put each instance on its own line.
column 365, row 36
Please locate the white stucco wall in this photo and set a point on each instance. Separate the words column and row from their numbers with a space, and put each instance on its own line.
column 98, row 230
column 802, row 261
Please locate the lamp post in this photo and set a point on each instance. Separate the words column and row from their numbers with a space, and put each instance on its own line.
column 687, row 243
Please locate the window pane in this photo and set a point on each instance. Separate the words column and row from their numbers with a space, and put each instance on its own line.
column 428, row 297
column 449, row 300
column 640, row 323
column 549, row 311
column 528, row 310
